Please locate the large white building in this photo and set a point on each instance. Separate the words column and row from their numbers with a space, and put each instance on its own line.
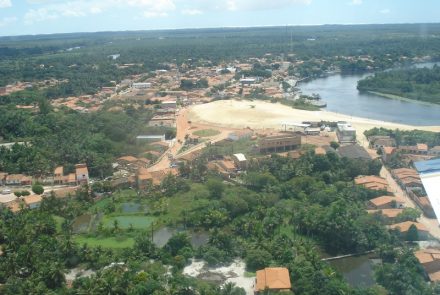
column 430, row 174
column 345, row 132
column 141, row 85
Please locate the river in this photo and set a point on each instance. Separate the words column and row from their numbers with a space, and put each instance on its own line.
column 342, row 96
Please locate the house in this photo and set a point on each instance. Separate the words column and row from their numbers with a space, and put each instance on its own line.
column 435, row 151
column 386, row 202
column 430, row 261
column 312, row 131
column 387, row 153
column 18, row 179
column 354, row 151
column 3, row 178
column 32, row 201
column 345, row 132
column 320, row 151
column 372, row 182
column 389, row 214
column 404, row 227
column 240, row 161
column 275, row 279
column 407, row 178
column 141, row 85
column 418, row 149
column 58, row 175
column 281, row 142
column 379, row 142
column 82, row 174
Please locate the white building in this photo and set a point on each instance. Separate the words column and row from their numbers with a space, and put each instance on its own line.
column 345, row 132
column 141, row 85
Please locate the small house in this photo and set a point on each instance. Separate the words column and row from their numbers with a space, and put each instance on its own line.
column 273, row 279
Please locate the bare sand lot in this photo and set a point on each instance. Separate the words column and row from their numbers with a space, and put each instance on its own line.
column 261, row 115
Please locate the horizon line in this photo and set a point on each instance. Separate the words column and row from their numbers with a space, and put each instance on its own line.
column 218, row 27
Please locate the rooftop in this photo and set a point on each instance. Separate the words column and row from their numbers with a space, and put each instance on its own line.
column 273, row 278
column 425, row 167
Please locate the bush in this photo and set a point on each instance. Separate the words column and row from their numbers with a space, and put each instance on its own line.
column 38, row 189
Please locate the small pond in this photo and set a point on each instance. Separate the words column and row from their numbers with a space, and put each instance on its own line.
column 162, row 236
column 81, row 223
column 133, row 208
column 357, row 270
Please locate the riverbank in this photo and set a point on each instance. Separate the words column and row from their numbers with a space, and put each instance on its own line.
column 397, row 97
column 263, row 115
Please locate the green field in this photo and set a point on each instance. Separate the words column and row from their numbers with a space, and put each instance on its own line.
column 124, row 222
column 207, row 132
column 112, row 242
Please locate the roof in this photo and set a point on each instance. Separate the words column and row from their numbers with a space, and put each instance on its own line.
column 59, row 170
column 431, row 183
column 388, row 150
column 422, row 147
column 370, row 179
column 427, row 255
column 240, row 157
column 430, row 166
column 354, row 151
column 32, row 199
column 404, row 226
column 385, row 200
column 320, row 151
column 82, row 171
column 273, row 278
column 390, row 213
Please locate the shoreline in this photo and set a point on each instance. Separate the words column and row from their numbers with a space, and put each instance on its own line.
column 402, row 98
column 264, row 115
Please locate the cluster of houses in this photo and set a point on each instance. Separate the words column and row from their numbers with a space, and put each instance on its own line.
column 389, row 206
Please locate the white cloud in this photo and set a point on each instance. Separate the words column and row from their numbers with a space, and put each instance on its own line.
column 355, row 2
column 235, row 5
column 5, row 3
column 385, row 11
column 7, row 20
column 192, row 12
column 80, row 8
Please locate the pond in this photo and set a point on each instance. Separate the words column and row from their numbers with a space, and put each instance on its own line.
column 81, row 223
column 357, row 270
column 133, row 208
column 162, row 236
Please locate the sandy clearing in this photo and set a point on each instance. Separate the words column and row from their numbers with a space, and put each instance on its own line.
column 261, row 115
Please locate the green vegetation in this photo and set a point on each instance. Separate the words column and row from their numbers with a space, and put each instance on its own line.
column 407, row 137
column 416, row 84
column 207, row 132
column 110, row 242
column 128, row 222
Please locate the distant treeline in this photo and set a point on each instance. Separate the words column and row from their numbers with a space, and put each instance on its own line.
column 418, row 84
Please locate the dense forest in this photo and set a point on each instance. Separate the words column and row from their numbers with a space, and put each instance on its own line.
column 418, row 84
column 284, row 214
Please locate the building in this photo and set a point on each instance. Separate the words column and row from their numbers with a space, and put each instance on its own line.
column 387, row 153
column 404, row 227
column 379, row 142
column 248, row 81
column 345, row 132
column 430, row 261
column 82, row 174
column 18, row 179
column 354, row 151
column 372, row 182
column 141, row 85
column 58, row 175
column 407, row 178
column 151, row 138
column 386, row 202
column 389, row 214
column 275, row 279
column 429, row 172
column 241, row 161
column 418, row 149
column 3, row 178
column 169, row 104
column 281, row 142
column 32, row 201
column 313, row 131
column 435, row 151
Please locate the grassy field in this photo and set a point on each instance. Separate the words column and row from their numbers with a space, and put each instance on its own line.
column 207, row 132
column 224, row 148
column 58, row 221
column 112, row 242
column 124, row 222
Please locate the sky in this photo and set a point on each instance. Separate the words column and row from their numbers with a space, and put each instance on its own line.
column 23, row 17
